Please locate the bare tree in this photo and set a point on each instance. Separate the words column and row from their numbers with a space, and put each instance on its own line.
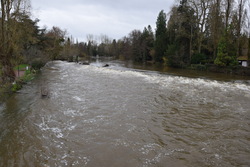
column 9, row 11
column 242, row 19
column 201, row 8
column 90, row 38
column 228, row 10
column 57, row 37
column 215, row 24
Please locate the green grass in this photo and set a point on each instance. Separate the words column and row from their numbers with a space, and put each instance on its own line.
column 21, row 67
column 28, row 76
column 17, row 85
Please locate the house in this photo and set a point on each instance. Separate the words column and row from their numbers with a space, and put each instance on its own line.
column 243, row 61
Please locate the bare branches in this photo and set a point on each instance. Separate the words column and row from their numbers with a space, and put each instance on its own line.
column 10, row 9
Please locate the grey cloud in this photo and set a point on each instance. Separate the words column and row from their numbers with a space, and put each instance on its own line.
column 113, row 18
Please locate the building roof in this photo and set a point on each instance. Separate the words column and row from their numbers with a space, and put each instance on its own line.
column 243, row 58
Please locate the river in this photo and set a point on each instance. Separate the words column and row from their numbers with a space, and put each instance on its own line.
column 120, row 116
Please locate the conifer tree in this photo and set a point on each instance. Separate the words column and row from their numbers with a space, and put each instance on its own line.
column 160, row 37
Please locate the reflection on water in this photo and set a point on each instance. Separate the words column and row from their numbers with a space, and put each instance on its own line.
column 117, row 116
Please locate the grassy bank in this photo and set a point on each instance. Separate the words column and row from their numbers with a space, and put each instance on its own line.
column 27, row 74
column 24, row 74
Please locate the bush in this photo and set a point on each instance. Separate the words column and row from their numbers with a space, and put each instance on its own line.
column 37, row 65
column 225, row 55
column 198, row 58
column 171, row 57
column 199, row 67
column 27, row 77
column 16, row 86
column 70, row 59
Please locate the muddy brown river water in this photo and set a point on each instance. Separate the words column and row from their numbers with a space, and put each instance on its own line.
column 119, row 116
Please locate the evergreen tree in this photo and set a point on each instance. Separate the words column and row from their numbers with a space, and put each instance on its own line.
column 147, row 43
column 160, row 37
column 180, row 34
column 226, row 56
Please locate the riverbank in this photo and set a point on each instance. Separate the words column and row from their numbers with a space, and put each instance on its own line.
column 208, row 68
column 5, row 91
column 195, row 71
column 22, row 76
column 237, row 70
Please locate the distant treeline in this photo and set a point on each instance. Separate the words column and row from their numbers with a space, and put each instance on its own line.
column 193, row 32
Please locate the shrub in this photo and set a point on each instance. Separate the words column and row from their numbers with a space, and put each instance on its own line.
column 16, row 86
column 199, row 67
column 37, row 65
column 198, row 58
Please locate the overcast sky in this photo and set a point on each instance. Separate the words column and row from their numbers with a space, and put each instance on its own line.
column 114, row 18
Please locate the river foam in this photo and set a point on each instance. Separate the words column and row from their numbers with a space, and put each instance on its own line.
column 169, row 80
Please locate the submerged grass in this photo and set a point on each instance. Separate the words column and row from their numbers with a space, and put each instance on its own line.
column 7, row 89
column 27, row 77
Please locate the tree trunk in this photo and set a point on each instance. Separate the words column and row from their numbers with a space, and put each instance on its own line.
column 216, row 27
column 228, row 10
column 190, row 44
column 239, row 26
column 2, row 27
column 8, row 74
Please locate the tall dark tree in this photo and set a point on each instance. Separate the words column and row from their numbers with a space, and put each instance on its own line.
column 114, row 49
column 55, row 39
column 241, row 20
column 215, row 26
column 136, row 39
column 29, row 35
column 181, row 30
column 124, row 47
column 147, row 44
column 160, row 37
column 228, row 10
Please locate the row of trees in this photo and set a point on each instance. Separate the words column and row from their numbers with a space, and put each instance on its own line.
column 195, row 31
column 207, row 31
column 137, row 46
